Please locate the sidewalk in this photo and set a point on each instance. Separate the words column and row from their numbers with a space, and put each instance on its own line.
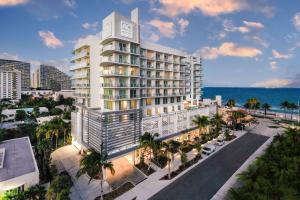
column 152, row 184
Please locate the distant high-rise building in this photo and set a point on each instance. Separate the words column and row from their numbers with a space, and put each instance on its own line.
column 23, row 67
column 49, row 77
column 10, row 84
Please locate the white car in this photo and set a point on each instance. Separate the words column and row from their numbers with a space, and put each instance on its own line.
column 220, row 141
column 208, row 149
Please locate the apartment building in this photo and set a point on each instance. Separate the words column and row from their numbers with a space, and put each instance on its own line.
column 23, row 67
column 124, row 86
column 50, row 78
column 10, row 85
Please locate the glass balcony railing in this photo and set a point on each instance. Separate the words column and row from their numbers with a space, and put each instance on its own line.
column 79, row 66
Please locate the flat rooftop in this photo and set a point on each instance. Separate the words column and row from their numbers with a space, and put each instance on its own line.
column 18, row 159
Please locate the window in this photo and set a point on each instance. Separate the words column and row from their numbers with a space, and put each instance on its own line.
column 148, row 102
column 178, row 99
column 133, row 104
column 157, row 101
column 179, row 107
column 149, row 112
column 172, row 99
column 165, row 110
column 133, row 94
column 123, row 105
column 165, row 100
column 108, row 92
column 122, row 46
column 142, row 102
column 108, row 105
column 184, row 97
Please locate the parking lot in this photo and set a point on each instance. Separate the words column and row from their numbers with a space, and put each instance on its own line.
column 203, row 181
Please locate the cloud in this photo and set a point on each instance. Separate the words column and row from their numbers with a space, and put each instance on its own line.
column 296, row 21
column 154, row 37
column 259, row 41
column 4, row 3
column 90, row 26
column 279, row 55
column 166, row 28
column 69, row 3
column 273, row 65
column 8, row 56
column 247, row 28
column 229, row 49
column 273, row 83
column 183, row 24
column 50, row 40
column 172, row 8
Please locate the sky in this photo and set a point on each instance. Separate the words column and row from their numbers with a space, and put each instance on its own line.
column 243, row 43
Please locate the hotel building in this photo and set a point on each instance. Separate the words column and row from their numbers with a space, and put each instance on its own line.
column 10, row 85
column 126, row 86
column 23, row 67
column 50, row 78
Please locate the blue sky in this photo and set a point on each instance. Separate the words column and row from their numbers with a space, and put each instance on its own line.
column 242, row 42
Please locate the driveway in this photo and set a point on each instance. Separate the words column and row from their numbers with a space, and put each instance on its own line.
column 203, row 181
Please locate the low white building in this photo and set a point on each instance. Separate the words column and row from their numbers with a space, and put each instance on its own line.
column 18, row 167
column 11, row 113
column 64, row 93
column 41, row 120
column 38, row 93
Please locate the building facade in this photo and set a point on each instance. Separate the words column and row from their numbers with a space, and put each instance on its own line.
column 133, row 74
column 122, row 82
column 23, row 67
column 50, row 78
column 10, row 85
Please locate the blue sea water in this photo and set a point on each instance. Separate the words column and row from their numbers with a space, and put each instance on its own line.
column 272, row 96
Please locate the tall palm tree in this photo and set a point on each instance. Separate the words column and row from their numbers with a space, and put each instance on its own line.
column 284, row 105
column 201, row 121
column 230, row 103
column 266, row 107
column 217, row 121
column 94, row 164
column 235, row 117
column 170, row 148
column 252, row 104
column 292, row 107
column 148, row 143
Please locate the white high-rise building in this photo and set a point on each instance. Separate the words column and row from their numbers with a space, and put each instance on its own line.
column 124, row 86
column 10, row 84
column 116, row 71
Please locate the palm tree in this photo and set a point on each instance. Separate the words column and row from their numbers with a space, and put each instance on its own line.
column 217, row 121
column 292, row 107
column 171, row 147
column 235, row 117
column 252, row 104
column 284, row 105
column 94, row 164
column 147, row 142
column 231, row 103
column 266, row 107
column 201, row 121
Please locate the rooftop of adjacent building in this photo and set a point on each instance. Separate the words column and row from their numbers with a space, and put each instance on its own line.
column 4, row 61
column 18, row 158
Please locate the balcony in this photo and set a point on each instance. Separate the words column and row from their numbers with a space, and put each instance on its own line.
column 108, row 49
column 118, row 73
column 112, row 60
column 79, row 66
column 118, row 97
column 80, row 75
column 81, row 55
column 115, row 85
column 78, row 94
column 81, row 85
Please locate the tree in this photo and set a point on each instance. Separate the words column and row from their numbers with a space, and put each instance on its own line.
column 201, row 121
column 171, row 147
column 20, row 115
column 56, row 111
column 235, row 117
column 217, row 122
column 231, row 103
column 36, row 192
column 183, row 158
column 266, row 107
column 252, row 104
column 59, row 188
column 94, row 164
column 292, row 107
column 284, row 105
column 44, row 150
column 147, row 142
column 36, row 112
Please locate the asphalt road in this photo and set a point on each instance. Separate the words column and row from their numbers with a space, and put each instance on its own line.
column 203, row 181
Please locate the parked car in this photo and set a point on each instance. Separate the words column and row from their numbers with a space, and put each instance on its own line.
column 208, row 149
column 220, row 141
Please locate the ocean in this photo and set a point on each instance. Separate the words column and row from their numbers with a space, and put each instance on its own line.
column 272, row 96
